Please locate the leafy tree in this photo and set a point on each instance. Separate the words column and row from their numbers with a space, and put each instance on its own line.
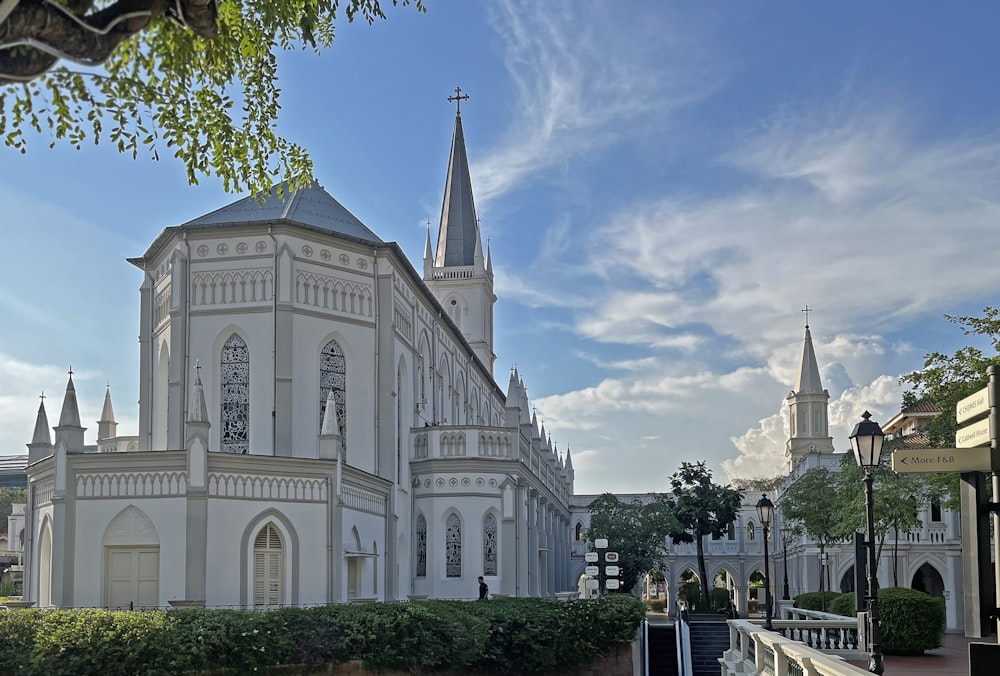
column 759, row 484
column 197, row 78
column 9, row 496
column 896, row 499
column 812, row 503
column 700, row 508
column 637, row 530
column 945, row 379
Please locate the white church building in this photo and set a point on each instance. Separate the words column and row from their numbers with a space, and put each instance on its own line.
column 318, row 423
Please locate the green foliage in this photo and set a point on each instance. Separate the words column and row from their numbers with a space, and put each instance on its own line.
column 844, row 605
column 700, row 508
column 910, row 621
column 638, row 531
column 211, row 102
column 945, row 379
column 719, row 598
column 9, row 496
column 508, row 635
column 813, row 504
column 819, row 601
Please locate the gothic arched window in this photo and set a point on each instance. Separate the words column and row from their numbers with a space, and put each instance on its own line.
column 489, row 545
column 234, row 435
column 453, row 546
column 579, row 532
column 421, row 546
column 333, row 377
column 751, row 533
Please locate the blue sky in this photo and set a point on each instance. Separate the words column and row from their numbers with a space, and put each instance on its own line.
column 665, row 185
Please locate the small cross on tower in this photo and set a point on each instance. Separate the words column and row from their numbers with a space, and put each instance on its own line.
column 458, row 98
column 807, row 310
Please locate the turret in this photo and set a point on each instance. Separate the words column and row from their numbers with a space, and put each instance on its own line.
column 41, row 441
column 69, row 431
column 330, row 441
column 107, row 427
column 198, row 428
column 808, row 414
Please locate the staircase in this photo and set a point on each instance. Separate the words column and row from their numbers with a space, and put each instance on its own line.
column 663, row 650
column 709, row 639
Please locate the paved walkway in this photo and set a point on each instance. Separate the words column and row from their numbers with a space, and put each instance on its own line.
column 951, row 659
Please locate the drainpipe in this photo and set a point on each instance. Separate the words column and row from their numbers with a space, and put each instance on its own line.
column 274, row 341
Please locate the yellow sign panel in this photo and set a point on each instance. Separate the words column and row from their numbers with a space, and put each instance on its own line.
column 972, row 406
column 976, row 434
column 933, row 460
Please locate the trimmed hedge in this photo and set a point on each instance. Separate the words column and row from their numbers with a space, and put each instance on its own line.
column 504, row 635
column 910, row 621
column 815, row 600
column 844, row 605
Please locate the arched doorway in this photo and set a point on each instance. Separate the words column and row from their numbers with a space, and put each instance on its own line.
column 689, row 589
column 847, row 581
column 928, row 580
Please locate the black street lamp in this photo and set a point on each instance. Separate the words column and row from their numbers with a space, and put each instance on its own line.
column 765, row 512
column 785, row 534
column 866, row 440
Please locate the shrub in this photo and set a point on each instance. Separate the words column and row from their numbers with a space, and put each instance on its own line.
column 910, row 621
column 816, row 600
column 509, row 635
column 719, row 598
column 843, row 605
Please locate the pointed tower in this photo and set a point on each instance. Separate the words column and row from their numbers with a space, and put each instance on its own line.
column 107, row 427
column 69, row 430
column 41, row 441
column 198, row 427
column 459, row 275
column 807, row 410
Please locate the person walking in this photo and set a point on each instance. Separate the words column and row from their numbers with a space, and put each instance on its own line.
column 484, row 589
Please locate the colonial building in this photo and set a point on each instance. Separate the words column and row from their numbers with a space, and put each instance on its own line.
column 927, row 558
column 318, row 422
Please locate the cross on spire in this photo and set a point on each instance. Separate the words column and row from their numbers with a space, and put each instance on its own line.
column 807, row 310
column 457, row 99
column 42, row 395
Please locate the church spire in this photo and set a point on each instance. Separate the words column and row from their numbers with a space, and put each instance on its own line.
column 107, row 426
column 458, row 233
column 808, row 413
column 808, row 380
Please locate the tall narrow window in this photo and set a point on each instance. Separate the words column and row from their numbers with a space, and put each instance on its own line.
column 731, row 531
column 935, row 510
column 489, row 545
column 751, row 533
column 421, row 546
column 579, row 532
column 234, row 435
column 333, row 377
column 453, row 546
column 267, row 567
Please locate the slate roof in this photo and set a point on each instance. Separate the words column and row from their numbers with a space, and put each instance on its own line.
column 313, row 207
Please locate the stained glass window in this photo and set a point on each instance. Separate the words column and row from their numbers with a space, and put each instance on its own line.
column 333, row 376
column 490, row 545
column 235, row 426
column 421, row 546
column 453, row 546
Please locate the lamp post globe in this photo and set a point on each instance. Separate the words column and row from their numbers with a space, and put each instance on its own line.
column 765, row 512
column 866, row 441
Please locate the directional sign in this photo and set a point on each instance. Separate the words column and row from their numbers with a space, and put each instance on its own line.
column 592, row 571
column 601, row 543
column 611, row 557
column 976, row 434
column 590, row 557
column 611, row 571
column 611, row 584
column 934, row 460
column 973, row 405
column 593, row 584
